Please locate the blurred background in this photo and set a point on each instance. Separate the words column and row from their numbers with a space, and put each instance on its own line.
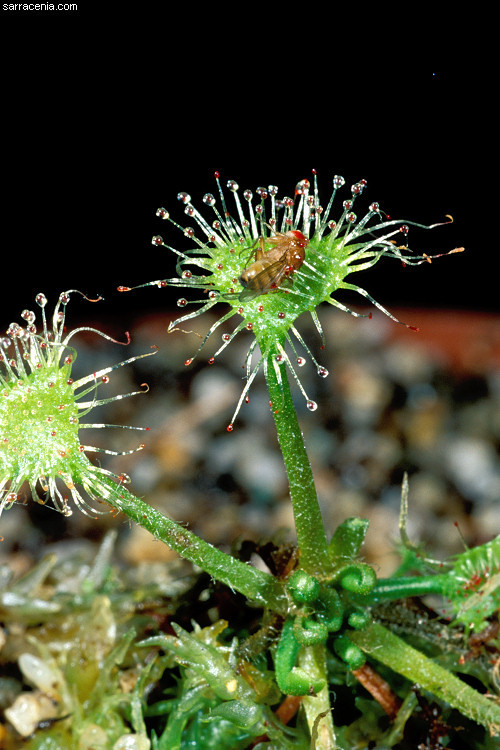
column 105, row 122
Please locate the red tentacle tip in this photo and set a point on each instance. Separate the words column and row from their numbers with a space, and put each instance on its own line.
column 124, row 288
column 229, row 428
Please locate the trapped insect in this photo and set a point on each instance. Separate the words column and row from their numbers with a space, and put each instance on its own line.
column 270, row 269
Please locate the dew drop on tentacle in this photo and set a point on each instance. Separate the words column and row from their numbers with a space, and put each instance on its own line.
column 312, row 405
column 302, row 187
column 358, row 187
column 28, row 316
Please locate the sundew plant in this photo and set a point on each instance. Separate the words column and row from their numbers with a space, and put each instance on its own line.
column 264, row 260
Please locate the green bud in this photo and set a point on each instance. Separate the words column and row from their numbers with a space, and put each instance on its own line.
column 303, row 587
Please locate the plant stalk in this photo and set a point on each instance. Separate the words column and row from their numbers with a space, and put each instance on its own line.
column 387, row 648
column 256, row 585
column 309, row 526
column 317, row 708
column 401, row 588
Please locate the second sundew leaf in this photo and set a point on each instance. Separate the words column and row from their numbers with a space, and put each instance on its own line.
column 41, row 417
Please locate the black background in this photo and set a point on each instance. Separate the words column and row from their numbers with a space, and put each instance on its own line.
column 107, row 115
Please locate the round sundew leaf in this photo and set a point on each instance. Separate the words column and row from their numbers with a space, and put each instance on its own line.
column 275, row 260
column 41, row 410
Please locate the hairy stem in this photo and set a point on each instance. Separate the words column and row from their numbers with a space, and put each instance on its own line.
column 400, row 588
column 387, row 648
column 309, row 526
column 317, row 708
column 258, row 586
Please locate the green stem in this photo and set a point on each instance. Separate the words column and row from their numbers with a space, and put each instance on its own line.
column 258, row 586
column 309, row 526
column 387, row 648
column 317, row 708
column 401, row 588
